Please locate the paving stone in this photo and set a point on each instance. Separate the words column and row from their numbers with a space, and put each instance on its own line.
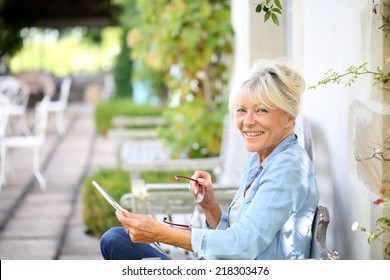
column 28, row 249
column 34, row 228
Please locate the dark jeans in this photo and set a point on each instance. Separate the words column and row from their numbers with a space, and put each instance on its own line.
column 116, row 244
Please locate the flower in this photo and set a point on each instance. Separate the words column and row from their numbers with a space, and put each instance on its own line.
column 355, row 226
column 379, row 201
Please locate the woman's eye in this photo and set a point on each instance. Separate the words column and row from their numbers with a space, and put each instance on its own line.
column 240, row 110
column 262, row 110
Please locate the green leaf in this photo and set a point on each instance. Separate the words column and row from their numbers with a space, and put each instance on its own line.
column 266, row 16
column 275, row 19
column 276, row 10
column 259, row 8
column 277, row 3
column 384, row 220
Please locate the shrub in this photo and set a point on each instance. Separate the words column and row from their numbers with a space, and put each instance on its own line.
column 98, row 214
column 121, row 106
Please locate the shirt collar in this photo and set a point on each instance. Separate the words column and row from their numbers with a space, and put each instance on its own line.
column 253, row 167
column 287, row 142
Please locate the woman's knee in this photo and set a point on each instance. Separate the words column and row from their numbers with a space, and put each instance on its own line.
column 110, row 236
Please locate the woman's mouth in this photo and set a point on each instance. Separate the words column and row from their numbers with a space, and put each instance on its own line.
column 253, row 133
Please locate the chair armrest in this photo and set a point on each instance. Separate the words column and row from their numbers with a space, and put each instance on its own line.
column 171, row 164
column 169, row 199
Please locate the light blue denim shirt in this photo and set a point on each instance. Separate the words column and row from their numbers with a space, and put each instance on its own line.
column 274, row 221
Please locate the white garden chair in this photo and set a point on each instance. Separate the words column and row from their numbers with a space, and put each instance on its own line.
column 34, row 141
column 58, row 107
column 4, row 107
column 17, row 92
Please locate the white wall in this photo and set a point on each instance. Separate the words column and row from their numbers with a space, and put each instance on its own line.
column 336, row 35
column 253, row 40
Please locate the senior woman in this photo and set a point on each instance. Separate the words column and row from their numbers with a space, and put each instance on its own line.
column 271, row 215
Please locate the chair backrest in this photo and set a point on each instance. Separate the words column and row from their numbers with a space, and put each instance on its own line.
column 16, row 90
column 65, row 90
column 302, row 129
column 4, row 103
column 319, row 249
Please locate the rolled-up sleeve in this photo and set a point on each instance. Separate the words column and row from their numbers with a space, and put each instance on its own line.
column 199, row 234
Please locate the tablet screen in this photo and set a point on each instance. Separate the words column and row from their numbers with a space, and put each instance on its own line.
column 108, row 197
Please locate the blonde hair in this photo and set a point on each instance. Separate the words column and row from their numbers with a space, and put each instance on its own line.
column 272, row 83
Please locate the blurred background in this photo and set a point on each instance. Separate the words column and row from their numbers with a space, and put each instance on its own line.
column 177, row 60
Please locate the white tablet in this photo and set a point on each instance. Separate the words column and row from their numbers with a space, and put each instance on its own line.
column 108, row 198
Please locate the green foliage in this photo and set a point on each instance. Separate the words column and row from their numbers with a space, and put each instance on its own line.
column 78, row 54
column 382, row 227
column 123, row 70
column 151, row 79
column 188, row 43
column 271, row 10
column 193, row 32
column 104, row 112
column 351, row 74
column 194, row 134
column 354, row 72
column 10, row 40
column 98, row 214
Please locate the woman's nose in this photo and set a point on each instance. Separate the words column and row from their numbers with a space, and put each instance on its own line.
column 249, row 119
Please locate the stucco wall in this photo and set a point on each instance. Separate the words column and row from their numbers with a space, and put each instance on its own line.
column 345, row 120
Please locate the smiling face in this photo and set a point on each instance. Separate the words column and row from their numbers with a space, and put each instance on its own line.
column 262, row 128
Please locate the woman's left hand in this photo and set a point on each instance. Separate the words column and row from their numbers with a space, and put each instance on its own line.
column 141, row 228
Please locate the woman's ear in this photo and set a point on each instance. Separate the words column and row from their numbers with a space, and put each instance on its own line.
column 290, row 121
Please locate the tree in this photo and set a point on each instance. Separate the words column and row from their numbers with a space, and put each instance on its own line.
column 187, row 41
column 10, row 39
column 123, row 70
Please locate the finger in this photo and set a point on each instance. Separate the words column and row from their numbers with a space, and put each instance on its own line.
column 126, row 213
column 192, row 186
column 202, row 182
column 201, row 174
column 192, row 190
